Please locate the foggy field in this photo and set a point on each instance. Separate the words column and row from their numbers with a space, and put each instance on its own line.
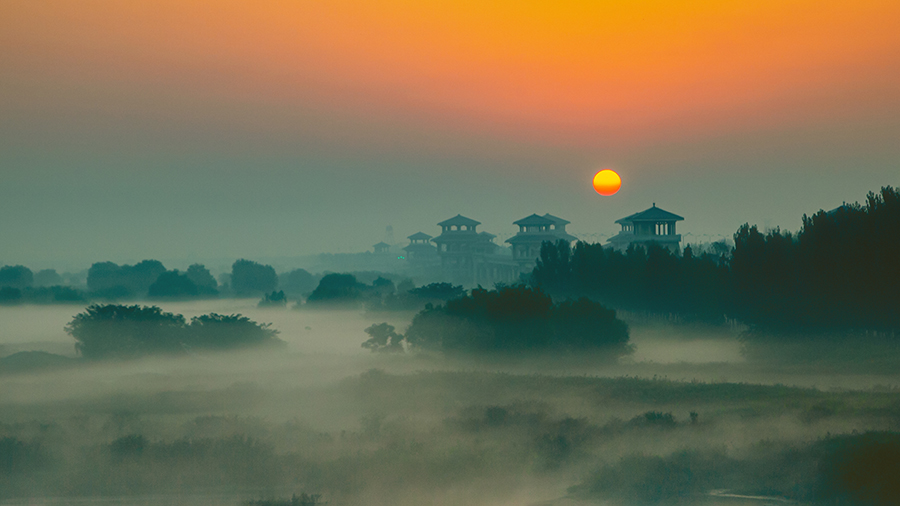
column 326, row 416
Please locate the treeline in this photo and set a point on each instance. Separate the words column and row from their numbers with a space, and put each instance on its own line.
column 508, row 320
column 840, row 272
column 20, row 284
column 118, row 331
column 148, row 279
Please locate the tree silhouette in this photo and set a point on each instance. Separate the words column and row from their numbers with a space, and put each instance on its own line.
column 251, row 278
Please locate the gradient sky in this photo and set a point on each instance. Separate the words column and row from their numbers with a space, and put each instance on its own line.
column 200, row 129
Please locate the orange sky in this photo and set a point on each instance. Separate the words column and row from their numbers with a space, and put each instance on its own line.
column 178, row 118
column 559, row 71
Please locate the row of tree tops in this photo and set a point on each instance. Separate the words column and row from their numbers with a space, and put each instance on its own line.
column 839, row 272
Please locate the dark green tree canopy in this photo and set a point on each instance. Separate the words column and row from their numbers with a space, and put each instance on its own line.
column 252, row 278
column 47, row 277
column 297, row 282
column 202, row 279
column 518, row 319
column 16, row 276
column 111, row 280
column 337, row 289
column 117, row 331
column 173, row 285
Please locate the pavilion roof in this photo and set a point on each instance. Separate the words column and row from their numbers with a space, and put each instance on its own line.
column 534, row 220
column 652, row 214
column 419, row 236
column 557, row 219
column 459, row 220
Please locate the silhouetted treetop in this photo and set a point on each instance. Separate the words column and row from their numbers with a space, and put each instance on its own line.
column 16, row 276
column 252, row 278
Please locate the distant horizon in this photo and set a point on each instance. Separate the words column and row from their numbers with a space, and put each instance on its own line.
column 186, row 129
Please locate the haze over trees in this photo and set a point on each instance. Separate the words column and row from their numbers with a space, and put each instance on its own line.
column 840, row 272
column 107, row 279
column 509, row 320
column 125, row 332
column 16, row 276
column 252, row 278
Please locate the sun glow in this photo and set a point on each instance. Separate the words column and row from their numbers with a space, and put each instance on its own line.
column 607, row 182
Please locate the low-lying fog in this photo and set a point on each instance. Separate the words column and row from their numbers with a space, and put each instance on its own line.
column 325, row 415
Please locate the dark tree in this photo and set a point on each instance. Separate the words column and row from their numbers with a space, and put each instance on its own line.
column 203, row 279
column 110, row 280
column 383, row 338
column 142, row 275
column 47, row 277
column 173, row 285
column 518, row 319
column 17, row 276
column 114, row 331
column 215, row 331
column 252, row 278
column 337, row 289
column 274, row 299
column 438, row 291
column 297, row 282
column 10, row 295
column 103, row 276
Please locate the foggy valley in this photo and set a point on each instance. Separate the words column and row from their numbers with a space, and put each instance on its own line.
column 504, row 253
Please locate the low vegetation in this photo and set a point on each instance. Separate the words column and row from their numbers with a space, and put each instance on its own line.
column 119, row 331
column 511, row 319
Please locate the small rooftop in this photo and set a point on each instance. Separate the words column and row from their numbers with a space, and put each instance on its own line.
column 557, row 219
column 459, row 220
column 419, row 236
column 534, row 220
column 652, row 214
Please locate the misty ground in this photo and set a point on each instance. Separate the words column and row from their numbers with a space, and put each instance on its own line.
column 327, row 416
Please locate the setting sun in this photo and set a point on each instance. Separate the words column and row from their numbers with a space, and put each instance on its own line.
column 607, row 182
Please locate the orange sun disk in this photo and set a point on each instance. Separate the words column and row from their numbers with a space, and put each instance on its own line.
column 607, row 182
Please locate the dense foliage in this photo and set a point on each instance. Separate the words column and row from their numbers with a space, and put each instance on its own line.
column 107, row 279
column 252, row 278
column 840, row 272
column 518, row 319
column 337, row 289
column 117, row 331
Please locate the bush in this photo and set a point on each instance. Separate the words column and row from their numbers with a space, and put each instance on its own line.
column 383, row 338
column 340, row 289
column 215, row 331
column 518, row 319
column 17, row 276
column 116, row 331
column 173, row 285
column 249, row 277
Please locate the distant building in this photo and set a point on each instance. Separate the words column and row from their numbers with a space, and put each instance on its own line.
column 534, row 230
column 469, row 257
column 420, row 248
column 381, row 248
column 652, row 225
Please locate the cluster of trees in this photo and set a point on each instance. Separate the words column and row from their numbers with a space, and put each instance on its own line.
column 149, row 278
column 346, row 291
column 643, row 279
column 839, row 272
column 120, row 331
column 510, row 319
column 18, row 284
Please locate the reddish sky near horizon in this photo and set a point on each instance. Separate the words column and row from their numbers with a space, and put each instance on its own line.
column 639, row 84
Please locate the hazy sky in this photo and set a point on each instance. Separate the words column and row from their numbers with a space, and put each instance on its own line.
column 217, row 128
